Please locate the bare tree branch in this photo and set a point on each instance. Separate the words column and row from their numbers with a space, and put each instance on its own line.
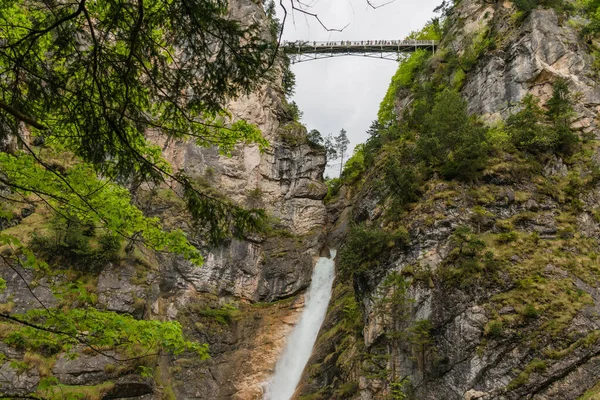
column 315, row 16
column 380, row 5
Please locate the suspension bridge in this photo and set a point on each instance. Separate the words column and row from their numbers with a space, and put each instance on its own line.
column 300, row 51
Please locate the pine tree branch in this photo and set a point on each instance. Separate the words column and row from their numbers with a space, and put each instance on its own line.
column 21, row 117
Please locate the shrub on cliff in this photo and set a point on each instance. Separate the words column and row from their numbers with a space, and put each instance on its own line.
column 365, row 248
column 539, row 131
column 451, row 140
column 402, row 174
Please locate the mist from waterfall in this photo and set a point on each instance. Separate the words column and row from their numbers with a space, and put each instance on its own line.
column 300, row 342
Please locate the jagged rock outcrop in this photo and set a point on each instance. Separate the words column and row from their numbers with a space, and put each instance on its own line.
column 529, row 59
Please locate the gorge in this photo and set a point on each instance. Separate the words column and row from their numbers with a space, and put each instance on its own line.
column 467, row 226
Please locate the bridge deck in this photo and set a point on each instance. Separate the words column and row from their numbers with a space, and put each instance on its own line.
column 359, row 47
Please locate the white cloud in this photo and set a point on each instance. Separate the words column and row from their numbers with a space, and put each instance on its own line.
column 345, row 92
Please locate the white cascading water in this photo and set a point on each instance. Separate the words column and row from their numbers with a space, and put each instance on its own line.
column 302, row 339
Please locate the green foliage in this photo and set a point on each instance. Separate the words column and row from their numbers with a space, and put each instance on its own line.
column 480, row 216
column 481, row 42
column 315, row 140
column 591, row 10
column 346, row 390
column 402, row 79
column 526, row 130
column 379, row 136
column 526, row 6
column 71, row 242
column 467, row 260
column 355, row 165
column 499, row 138
column 400, row 389
column 53, row 330
column 536, row 365
column 392, row 304
column 530, row 312
column 337, row 148
column 294, row 111
column 365, row 248
column 537, row 131
column 289, row 81
column 86, row 201
column 333, row 188
column 451, row 139
column 560, row 114
column 421, row 340
column 494, row 328
column 90, row 80
column 98, row 100
column 224, row 315
column 271, row 13
column 506, row 237
column 592, row 393
column 402, row 175
column 50, row 389
column 431, row 31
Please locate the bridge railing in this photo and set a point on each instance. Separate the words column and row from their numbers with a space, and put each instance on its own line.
column 304, row 50
column 408, row 42
column 320, row 45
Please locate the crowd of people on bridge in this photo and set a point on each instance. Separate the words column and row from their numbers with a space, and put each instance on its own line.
column 353, row 43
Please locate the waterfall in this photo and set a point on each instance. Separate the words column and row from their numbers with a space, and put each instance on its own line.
column 302, row 339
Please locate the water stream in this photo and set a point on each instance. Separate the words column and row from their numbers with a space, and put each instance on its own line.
column 302, row 339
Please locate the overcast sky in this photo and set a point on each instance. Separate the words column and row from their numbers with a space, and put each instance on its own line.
column 345, row 92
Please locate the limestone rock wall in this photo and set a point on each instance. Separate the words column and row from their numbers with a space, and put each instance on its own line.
column 528, row 58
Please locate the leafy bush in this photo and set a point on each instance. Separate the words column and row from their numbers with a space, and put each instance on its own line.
column 530, row 312
column 591, row 9
column 526, row 5
column 315, row 139
column 294, row 111
column 365, row 248
column 526, row 129
column 479, row 44
column 494, row 329
column 431, row 31
column 451, row 139
column 467, row 260
column 355, row 165
column 506, row 237
column 76, row 245
column 537, row 131
column 333, row 188
column 401, row 175
column 224, row 315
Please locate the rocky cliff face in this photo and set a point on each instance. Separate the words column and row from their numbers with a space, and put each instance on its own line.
column 286, row 181
column 523, row 324
column 245, row 298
